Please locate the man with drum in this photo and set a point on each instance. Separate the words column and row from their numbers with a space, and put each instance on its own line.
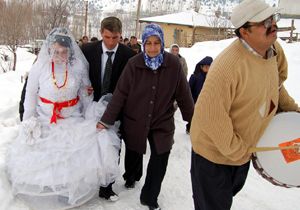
column 241, row 94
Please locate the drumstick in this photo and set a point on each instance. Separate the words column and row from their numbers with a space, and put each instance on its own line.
column 265, row 149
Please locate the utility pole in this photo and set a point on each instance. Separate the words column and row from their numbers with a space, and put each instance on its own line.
column 85, row 17
column 291, row 33
column 137, row 19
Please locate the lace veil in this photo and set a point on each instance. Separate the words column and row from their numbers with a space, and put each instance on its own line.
column 64, row 37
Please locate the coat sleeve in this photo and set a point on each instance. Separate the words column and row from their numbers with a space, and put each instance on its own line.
column 119, row 96
column 185, row 67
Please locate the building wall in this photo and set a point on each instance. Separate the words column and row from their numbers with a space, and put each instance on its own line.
column 183, row 35
column 208, row 34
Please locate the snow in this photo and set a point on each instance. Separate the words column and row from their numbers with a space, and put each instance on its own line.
column 187, row 18
column 176, row 194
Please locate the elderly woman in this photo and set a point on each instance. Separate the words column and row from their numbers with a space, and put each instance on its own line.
column 143, row 98
column 59, row 160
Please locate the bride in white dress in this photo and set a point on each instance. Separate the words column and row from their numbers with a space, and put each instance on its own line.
column 59, row 159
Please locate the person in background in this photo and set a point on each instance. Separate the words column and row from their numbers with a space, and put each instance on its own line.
column 134, row 45
column 240, row 96
column 126, row 41
column 121, row 40
column 85, row 39
column 174, row 49
column 144, row 97
column 197, row 79
column 107, row 59
column 94, row 39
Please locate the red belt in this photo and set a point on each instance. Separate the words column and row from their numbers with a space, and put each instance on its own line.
column 58, row 107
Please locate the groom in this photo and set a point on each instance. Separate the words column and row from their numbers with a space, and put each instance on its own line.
column 107, row 59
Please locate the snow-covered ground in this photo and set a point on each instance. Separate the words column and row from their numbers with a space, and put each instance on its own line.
column 176, row 194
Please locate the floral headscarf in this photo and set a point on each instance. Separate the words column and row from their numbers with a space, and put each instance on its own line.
column 153, row 30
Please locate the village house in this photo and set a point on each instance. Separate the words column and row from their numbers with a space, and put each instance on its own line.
column 186, row 28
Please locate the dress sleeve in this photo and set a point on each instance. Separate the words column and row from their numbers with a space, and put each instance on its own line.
column 31, row 95
column 85, row 99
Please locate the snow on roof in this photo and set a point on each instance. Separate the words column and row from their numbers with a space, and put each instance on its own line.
column 189, row 18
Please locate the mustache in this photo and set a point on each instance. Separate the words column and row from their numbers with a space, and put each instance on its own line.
column 271, row 29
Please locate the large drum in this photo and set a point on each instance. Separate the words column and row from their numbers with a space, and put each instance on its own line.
column 280, row 167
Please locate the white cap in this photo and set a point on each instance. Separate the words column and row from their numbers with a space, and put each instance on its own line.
column 251, row 11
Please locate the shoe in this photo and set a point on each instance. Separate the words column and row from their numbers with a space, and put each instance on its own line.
column 151, row 207
column 129, row 184
column 108, row 194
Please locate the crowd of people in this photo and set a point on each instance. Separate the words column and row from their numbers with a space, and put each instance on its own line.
column 82, row 99
column 132, row 43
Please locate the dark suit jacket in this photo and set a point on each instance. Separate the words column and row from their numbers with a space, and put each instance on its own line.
column 93, row 52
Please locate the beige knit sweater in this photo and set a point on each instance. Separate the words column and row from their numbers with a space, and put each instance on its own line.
column 239, row 98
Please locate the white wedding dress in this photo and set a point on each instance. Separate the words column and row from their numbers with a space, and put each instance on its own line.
column 61, row 165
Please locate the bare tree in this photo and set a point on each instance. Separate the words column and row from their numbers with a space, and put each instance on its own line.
column 48, row 15
column 15, row 20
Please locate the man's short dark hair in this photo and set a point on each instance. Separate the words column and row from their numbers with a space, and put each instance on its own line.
column 94, row 39
column 133, row 37
column 113, row 24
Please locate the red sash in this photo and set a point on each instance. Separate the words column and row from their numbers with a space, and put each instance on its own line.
column 58, row 107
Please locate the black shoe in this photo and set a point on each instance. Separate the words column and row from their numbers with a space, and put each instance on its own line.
column 129, row 184
column 108, row 194
column 151, row 207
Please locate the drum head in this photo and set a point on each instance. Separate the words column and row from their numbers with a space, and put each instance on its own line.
column 283, row 129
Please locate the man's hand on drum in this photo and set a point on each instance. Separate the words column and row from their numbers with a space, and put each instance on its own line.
column 100, row 126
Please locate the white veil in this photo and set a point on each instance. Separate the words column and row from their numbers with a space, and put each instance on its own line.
column 64, row 36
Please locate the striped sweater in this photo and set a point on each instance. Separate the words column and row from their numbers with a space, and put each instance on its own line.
column 239, row 98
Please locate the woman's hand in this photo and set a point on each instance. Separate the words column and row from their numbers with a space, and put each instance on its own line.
column 100, row 126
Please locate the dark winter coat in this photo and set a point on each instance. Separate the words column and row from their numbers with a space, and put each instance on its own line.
column 93, row 52
column 196, row 82
column 145, row 100
column 21, row 103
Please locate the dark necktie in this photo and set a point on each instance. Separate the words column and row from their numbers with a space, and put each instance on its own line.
column 107, row 74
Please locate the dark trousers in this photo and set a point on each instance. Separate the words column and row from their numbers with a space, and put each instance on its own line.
column 133, row 165
column 156, row 171
column 214, row 185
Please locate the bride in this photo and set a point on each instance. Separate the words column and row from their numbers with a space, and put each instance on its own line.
column 59, row 159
